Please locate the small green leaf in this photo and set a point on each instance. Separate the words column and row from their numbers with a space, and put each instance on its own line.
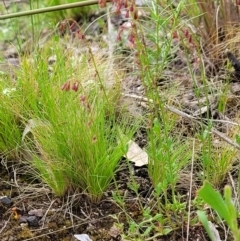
column 157, row 217
column 205, row 134
column 158, row 189
column 231, row 208
column 215, row 200
column 166, row 231
column 156, row 126
column 147, row 231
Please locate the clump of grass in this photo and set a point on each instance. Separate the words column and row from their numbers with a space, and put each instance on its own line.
column 215, row 22
column 217, row 159
column 76, row 137
column 83, row 143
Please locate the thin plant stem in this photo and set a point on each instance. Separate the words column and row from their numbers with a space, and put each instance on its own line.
column 50, row 9
column 32, row 23
column 190, row 190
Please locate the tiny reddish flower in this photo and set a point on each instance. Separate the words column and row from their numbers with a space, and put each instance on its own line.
column 117, row 10
column 119, row 33
column 62, row 26
column 186, row 33
column 84, row 102
column 127, row 14
column 80, row 35
column 131, row 39
column 131, row 8
column 175, row 34
column 119, row 38
column 75, row 86
column 66, row 86
column 102, row 3
column 72, row 26
column 83, row 98
column 190, row 39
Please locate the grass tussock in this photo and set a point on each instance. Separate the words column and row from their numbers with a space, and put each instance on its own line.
column 73, row 135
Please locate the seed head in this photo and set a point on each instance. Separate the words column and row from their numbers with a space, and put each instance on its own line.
column 102, row 3
column 66, row 86
column 75, row 86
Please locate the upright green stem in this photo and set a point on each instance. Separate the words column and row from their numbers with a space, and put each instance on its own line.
column 32, row 23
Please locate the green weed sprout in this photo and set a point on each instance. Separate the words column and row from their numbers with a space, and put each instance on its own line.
column 218, row 158
column 224, row 207
column 167, row 157
column 167, row 154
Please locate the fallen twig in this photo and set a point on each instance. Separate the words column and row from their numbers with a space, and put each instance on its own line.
column 185, row 115
column 50, row 9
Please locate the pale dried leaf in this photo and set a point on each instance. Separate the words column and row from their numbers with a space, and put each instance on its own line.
column 136, row 154
column 214, row 231
column 28, row 128
column 82, row 237
column 36, row 212
column 200, row 111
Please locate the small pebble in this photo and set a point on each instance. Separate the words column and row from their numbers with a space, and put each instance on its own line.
column 33, row 221
column 22, row 219
column 6, row 200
